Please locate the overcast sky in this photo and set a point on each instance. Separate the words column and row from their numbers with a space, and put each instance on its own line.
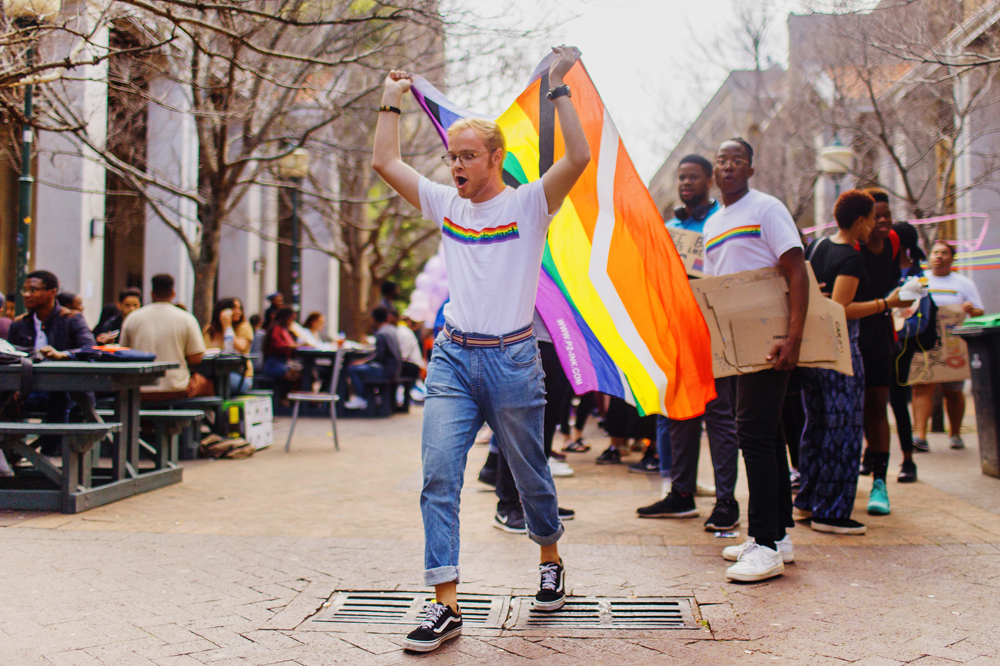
column 655, row 62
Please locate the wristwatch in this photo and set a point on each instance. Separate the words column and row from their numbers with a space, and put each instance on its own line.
column 561, row 91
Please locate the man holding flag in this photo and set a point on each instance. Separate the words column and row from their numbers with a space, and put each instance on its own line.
column 485, row 364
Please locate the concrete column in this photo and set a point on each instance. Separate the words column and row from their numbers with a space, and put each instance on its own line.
column 173, row 158
column 241, row 261
column 69, row 209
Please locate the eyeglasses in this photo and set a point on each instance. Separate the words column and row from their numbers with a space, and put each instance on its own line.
column 462, row 158
column 736, row 162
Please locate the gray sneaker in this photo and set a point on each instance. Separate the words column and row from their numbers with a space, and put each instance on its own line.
column 957, row 443
column 920, row 444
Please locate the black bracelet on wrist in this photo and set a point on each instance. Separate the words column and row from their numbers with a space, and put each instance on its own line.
column 393, row 109
column 561, row 91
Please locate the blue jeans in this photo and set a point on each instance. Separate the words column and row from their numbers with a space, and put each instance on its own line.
column 466, row 386
column 663, row 446
column 359, row 373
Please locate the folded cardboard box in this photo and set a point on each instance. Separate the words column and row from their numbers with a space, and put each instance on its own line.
column 747, row 314
column 948, row 361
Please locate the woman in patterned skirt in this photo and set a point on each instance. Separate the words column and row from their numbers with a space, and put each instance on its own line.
column 830, row 452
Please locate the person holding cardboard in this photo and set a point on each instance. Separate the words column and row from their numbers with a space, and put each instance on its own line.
column 694, row 180
column 946, row 288
column 831, row 440
column 754, row 230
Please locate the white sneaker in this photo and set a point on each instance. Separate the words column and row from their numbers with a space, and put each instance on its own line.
column 666, row 487
column 356, row 403
column 732, row 553
column 559, row 468
column 756, row 563
column 704, row 491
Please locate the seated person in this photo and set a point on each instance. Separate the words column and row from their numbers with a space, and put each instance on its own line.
column 257, row 346
column 279, row 345
column 53, row 335
column 10, row 306
column 174, row 336
column 230, row 331
column 5, row 321
column 383, row 365
column 311, row 334
column 413, row 364
column 71, row 301
column 46, row 328
column 110, row 325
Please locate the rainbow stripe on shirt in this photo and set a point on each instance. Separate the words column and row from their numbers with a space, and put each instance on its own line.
column 748, row 231
column 950, row 292
column 485, row 237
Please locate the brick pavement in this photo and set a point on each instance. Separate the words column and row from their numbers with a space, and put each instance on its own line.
column 228, row 567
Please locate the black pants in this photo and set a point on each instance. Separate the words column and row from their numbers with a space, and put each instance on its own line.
column 899, row 396
column 793, row 418
column 759, row 400
column 583, row 411
column 557, row 393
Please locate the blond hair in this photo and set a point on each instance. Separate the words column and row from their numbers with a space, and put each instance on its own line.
column 487, row 130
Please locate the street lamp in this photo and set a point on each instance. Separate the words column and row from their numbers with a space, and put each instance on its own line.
column 835, row 160
column 27, row 14
column 294, row 167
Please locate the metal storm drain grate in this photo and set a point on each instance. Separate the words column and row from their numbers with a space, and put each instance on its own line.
column 407, row 608
column 606, row 613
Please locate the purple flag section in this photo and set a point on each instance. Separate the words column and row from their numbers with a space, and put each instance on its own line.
column 569, row 340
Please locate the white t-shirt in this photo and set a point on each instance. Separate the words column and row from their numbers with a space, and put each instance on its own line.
column 41, row 340
column 953, row 289
column 409, row 346
column 752, row 233
column 493, row 252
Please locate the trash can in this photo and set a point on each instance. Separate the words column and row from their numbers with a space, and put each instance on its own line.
column 982, row 335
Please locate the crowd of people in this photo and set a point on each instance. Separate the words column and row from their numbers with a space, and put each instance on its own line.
column 494, row 361
column 54, row 327
column 806, row 434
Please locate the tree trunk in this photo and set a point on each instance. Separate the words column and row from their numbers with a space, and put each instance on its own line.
column 353, row 321
column 204, row 291
column 207, row 265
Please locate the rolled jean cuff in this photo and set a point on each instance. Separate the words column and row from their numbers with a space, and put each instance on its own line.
column 544, row 541
column 438, row 575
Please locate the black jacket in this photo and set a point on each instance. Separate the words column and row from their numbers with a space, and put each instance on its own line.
column 64, row 333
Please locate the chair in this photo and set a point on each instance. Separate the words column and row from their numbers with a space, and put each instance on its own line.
column 331, row 398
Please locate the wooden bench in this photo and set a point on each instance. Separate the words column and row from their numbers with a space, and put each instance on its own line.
column 75, row 477
column 381, row 397
column 174, row 433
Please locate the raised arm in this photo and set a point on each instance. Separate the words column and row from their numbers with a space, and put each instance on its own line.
column 386, row 158
column 559, row 180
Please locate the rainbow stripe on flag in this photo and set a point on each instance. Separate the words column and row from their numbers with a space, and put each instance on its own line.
column 613, row 291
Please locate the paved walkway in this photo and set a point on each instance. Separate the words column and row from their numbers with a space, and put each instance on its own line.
column 228, row 567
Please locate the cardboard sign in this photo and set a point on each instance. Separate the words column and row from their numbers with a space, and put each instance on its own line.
column 691, row 246
column 747, row 313
column 949, row 360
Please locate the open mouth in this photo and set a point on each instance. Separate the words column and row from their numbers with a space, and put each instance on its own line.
column 461, row 180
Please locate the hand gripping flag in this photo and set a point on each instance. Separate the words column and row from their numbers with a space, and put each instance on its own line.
column 613, row 291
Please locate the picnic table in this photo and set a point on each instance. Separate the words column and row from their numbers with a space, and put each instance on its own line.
column 91, row 485
column 219, row 367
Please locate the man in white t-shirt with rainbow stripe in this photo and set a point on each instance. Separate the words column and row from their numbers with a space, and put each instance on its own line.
column 754, row 230
column 485, row 364
column 946, row 288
